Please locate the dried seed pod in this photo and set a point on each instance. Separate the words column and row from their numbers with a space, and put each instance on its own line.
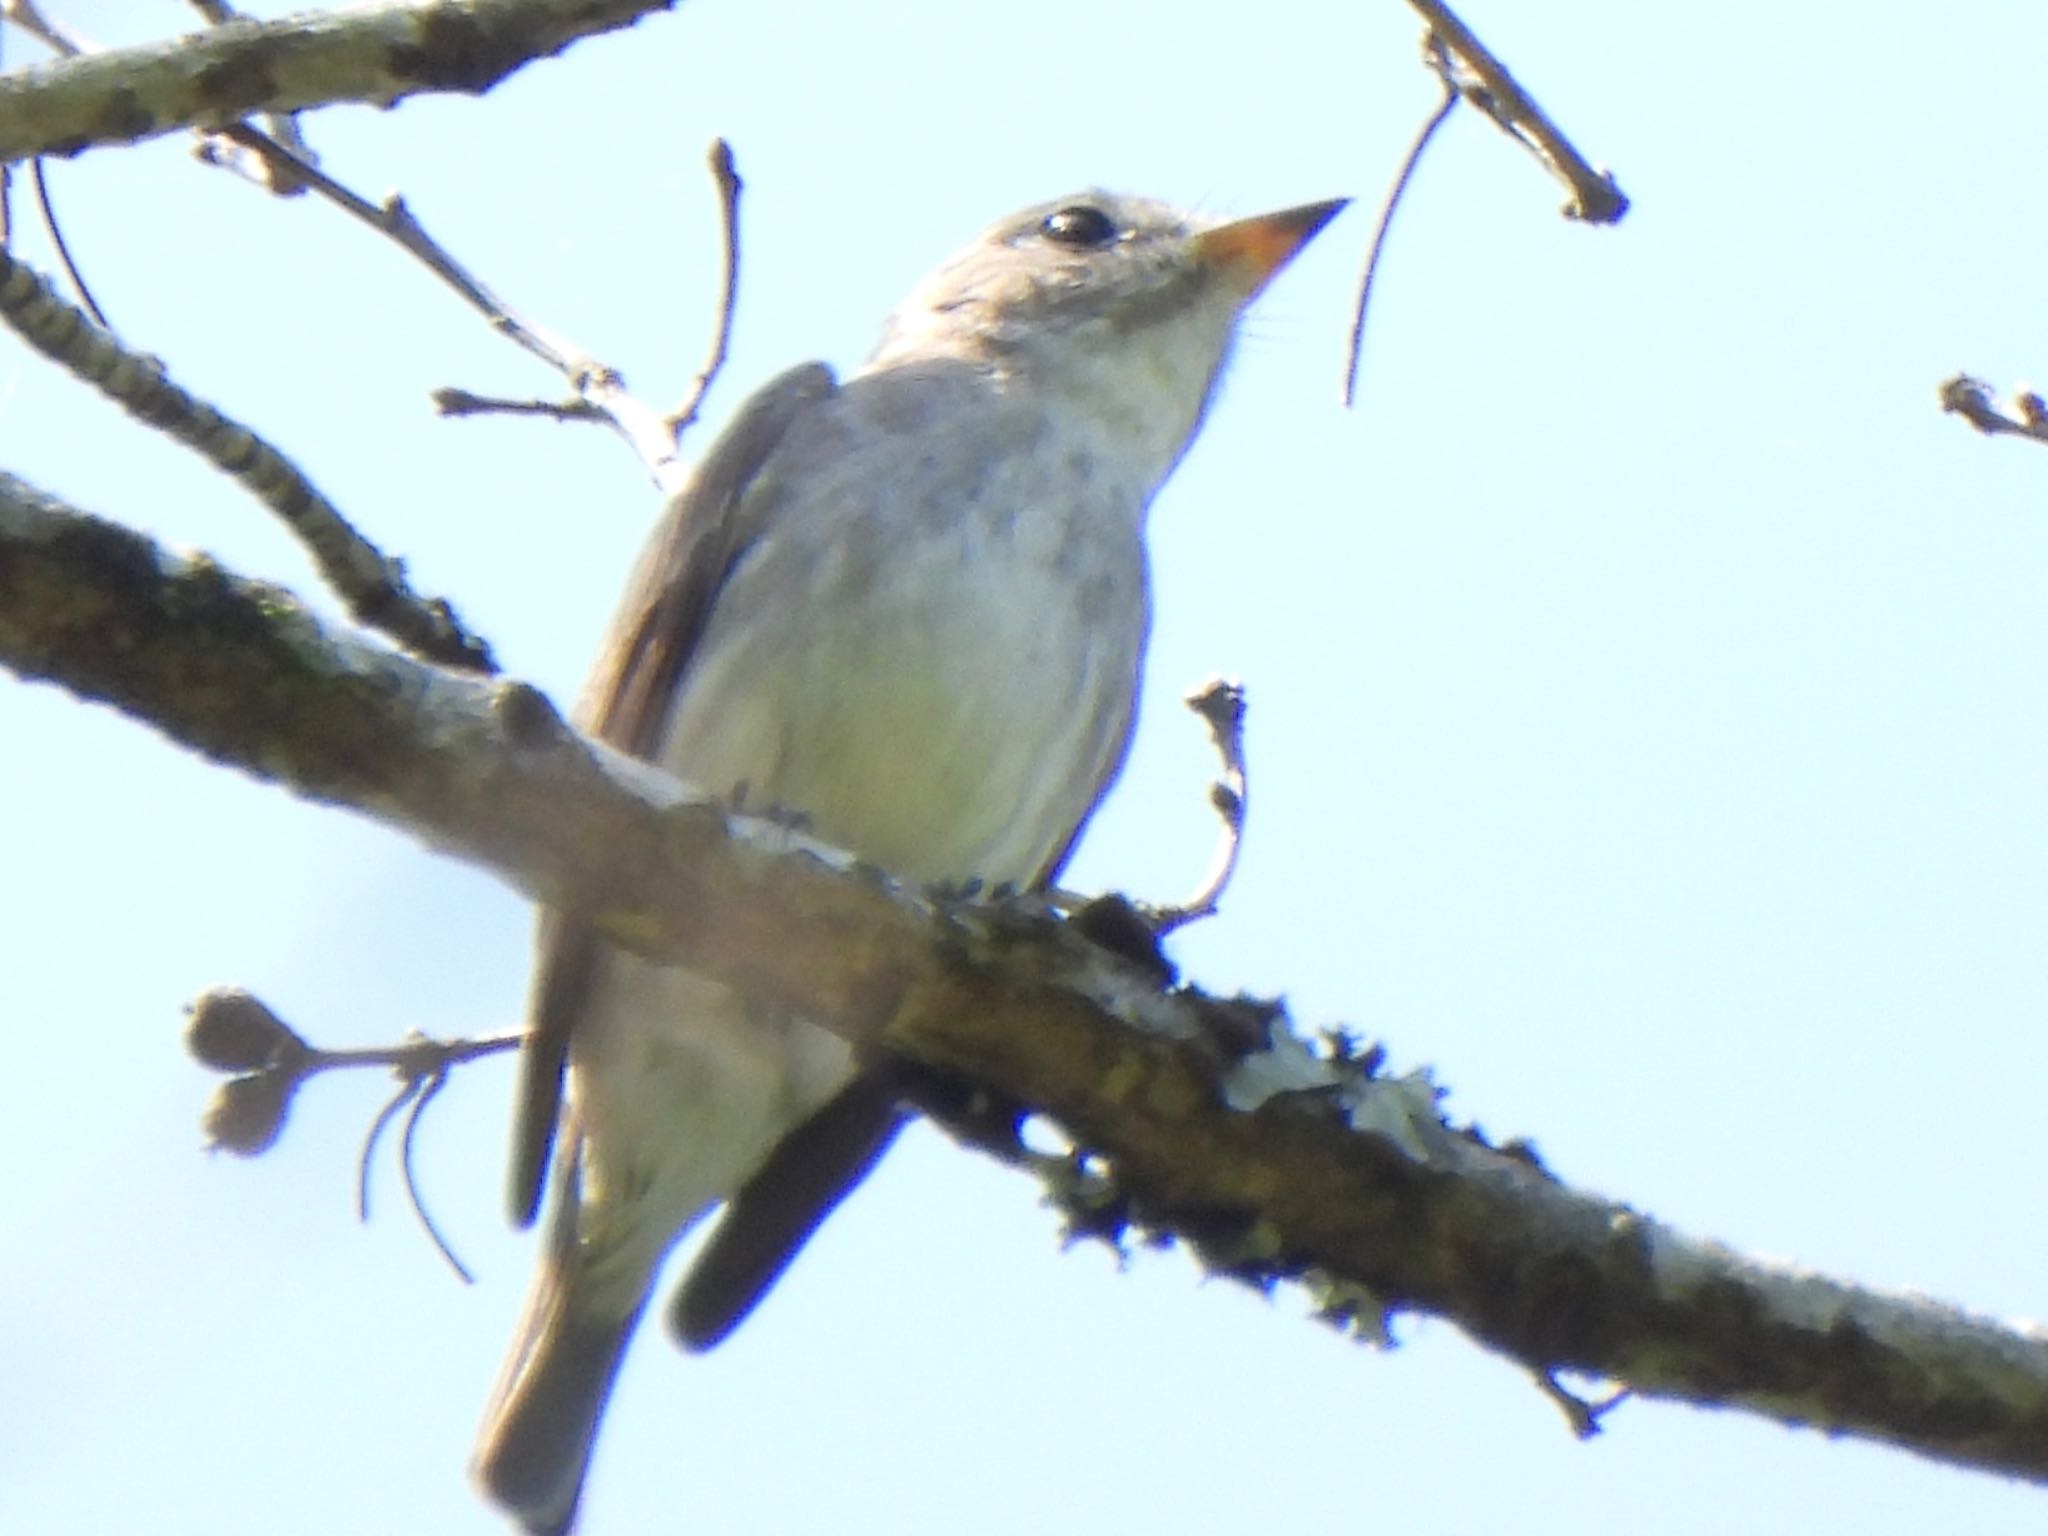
column 231, row 1030
column 246, row 1115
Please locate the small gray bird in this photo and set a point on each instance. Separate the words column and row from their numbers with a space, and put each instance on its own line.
column 911, row 606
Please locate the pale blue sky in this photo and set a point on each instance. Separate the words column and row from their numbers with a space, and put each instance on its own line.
column 1648, row 730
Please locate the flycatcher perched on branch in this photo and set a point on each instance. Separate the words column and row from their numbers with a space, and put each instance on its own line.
column 911, row 606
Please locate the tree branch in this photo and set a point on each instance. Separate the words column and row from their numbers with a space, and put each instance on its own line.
column 374, row 587
column 1596, row 197
column 1201, row 1117
column 378, row 56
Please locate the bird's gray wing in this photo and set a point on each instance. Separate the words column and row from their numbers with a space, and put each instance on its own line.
column 627, row 704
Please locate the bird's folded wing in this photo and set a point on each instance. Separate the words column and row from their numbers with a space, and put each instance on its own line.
column 775, row 1212
column 627, row 704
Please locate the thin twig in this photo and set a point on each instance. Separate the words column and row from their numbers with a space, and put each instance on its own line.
column 449, row 400
column 59, row 40
column 421, row 1065
column 592, row 380
column 1221, row 704
column 1971, row 398
column 395, row 221
column 283, row 127
column 406, row 1092
column 373, row 587
column 415, row 1056
column 1433, row 45
column 63, row 248
column 433, row 1085
column 24, row 14
column 727, row 177
column 417, row 1091
column 1596, row 197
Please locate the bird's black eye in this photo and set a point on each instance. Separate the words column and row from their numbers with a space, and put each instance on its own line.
column 1080, row 225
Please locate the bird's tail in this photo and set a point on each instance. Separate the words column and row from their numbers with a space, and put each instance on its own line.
column 535, row 1445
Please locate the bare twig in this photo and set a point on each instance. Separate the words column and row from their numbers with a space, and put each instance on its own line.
column 60, row 40
column 25, row 15
column 727, row 177
column 451, row 401
column 1221, row 704
column 1971, row 398
column 1433, row 45
column 595, row 382
column 395, row 221
column 1596, row 197
column 422, row 1070
column 407, row 1089
column 373, row 587
column 63, row 247
column 410, row 1169
column 416, row 1057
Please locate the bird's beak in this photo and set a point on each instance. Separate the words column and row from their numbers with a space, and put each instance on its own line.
column 1250, row 251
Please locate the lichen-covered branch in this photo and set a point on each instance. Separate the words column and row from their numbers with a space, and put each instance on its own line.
column 1207, row 1119
column 378, row 55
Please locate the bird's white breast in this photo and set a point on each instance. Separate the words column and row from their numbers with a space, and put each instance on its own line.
column 932, row 649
